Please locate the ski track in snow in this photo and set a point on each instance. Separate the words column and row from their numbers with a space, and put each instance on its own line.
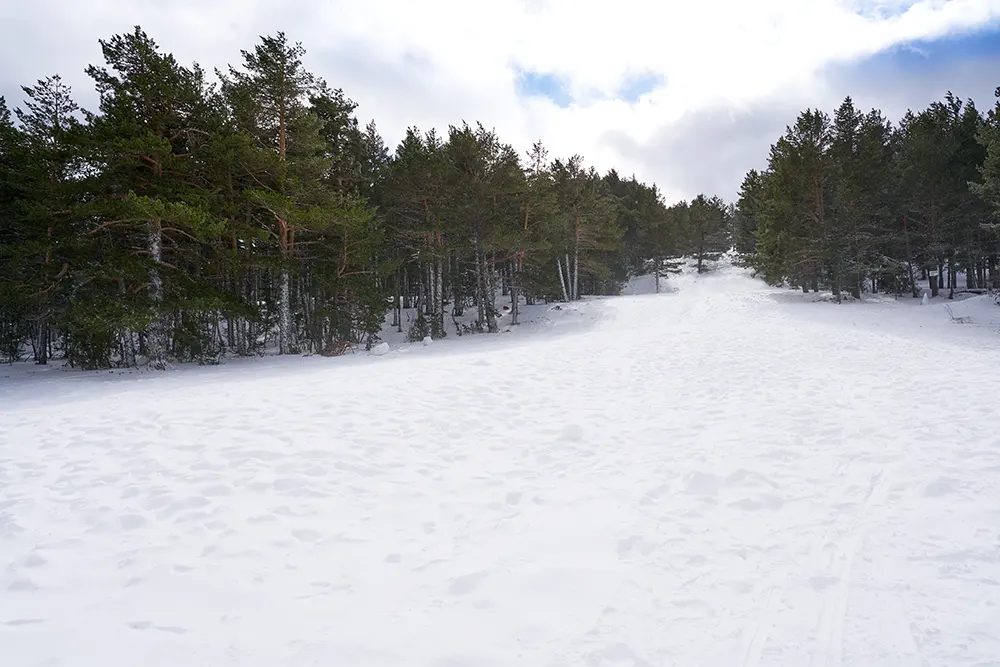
column 707, row 477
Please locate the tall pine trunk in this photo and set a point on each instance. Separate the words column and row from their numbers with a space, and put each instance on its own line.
column 489, row 295
column 42, row 348
column 439, row 297
column 484, row 290
column 517, row 279
column 156, row 335
column 397, row 308
column 480, row 305
column 909, row 260
column 576, row 268
column 562, row 279
column 286, row 335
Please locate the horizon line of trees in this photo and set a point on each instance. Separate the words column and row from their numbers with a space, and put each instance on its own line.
column 185, row 220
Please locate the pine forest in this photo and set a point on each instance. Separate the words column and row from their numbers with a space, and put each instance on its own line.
column 196, row 215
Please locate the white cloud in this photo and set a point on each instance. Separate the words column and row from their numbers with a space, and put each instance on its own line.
column 435, row 62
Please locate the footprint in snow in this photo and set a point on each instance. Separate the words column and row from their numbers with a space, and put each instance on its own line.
column 572, row 433
column 22, row 585
column 702, row 483
column 466, row 584
column 625, row 546
column 307, row 535
column 33, row 560
column 23, row 621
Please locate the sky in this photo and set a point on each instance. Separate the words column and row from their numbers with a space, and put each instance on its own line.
column 688, row 95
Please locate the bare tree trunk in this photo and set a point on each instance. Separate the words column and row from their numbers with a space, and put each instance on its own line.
column 439, row 296
column 909, row 261
column 431, row 293
column 156, row 338
column 576, row 268
column 656, row 273
column 480, row 292
column 515, row 289
column 397, row 306
column 562, row 280
column 42, row 349
column 484, row 291
column 286, row 343
column 489, row 295
column 569, row 279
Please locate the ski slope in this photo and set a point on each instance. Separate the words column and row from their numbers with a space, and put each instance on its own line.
column 726, row 474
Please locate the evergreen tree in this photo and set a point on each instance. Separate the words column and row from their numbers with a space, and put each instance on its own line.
column 708, row 233
column 589, row 223
column 269, row 101
column 749, row 209
column 149, row 204
column 794, row 240
column 49, row 229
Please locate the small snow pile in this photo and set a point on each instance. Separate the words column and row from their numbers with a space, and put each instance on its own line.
column 572, row 314
column 380, row 349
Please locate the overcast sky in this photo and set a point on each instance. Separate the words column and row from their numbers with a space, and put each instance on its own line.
column 686, row 94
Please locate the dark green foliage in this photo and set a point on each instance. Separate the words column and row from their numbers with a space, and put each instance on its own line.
column 184, row 222
column 853, row 204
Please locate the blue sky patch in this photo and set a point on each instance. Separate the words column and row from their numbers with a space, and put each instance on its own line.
column 926, row 54
column 543, row 84
column 637, row 86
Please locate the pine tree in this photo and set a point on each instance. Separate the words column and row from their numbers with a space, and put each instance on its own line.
column 709, row 230
column 749, row 208
column 794, row 241
column 269, row 101
column 146, row 141
column 53, row 137
column 589, row 223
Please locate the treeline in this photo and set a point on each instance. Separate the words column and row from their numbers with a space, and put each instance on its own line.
column 186, row 219
column 854, row 203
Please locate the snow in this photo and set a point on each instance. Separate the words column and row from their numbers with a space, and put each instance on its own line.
column 724, row 474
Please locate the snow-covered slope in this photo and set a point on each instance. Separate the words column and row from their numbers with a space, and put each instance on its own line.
column 723, row 475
